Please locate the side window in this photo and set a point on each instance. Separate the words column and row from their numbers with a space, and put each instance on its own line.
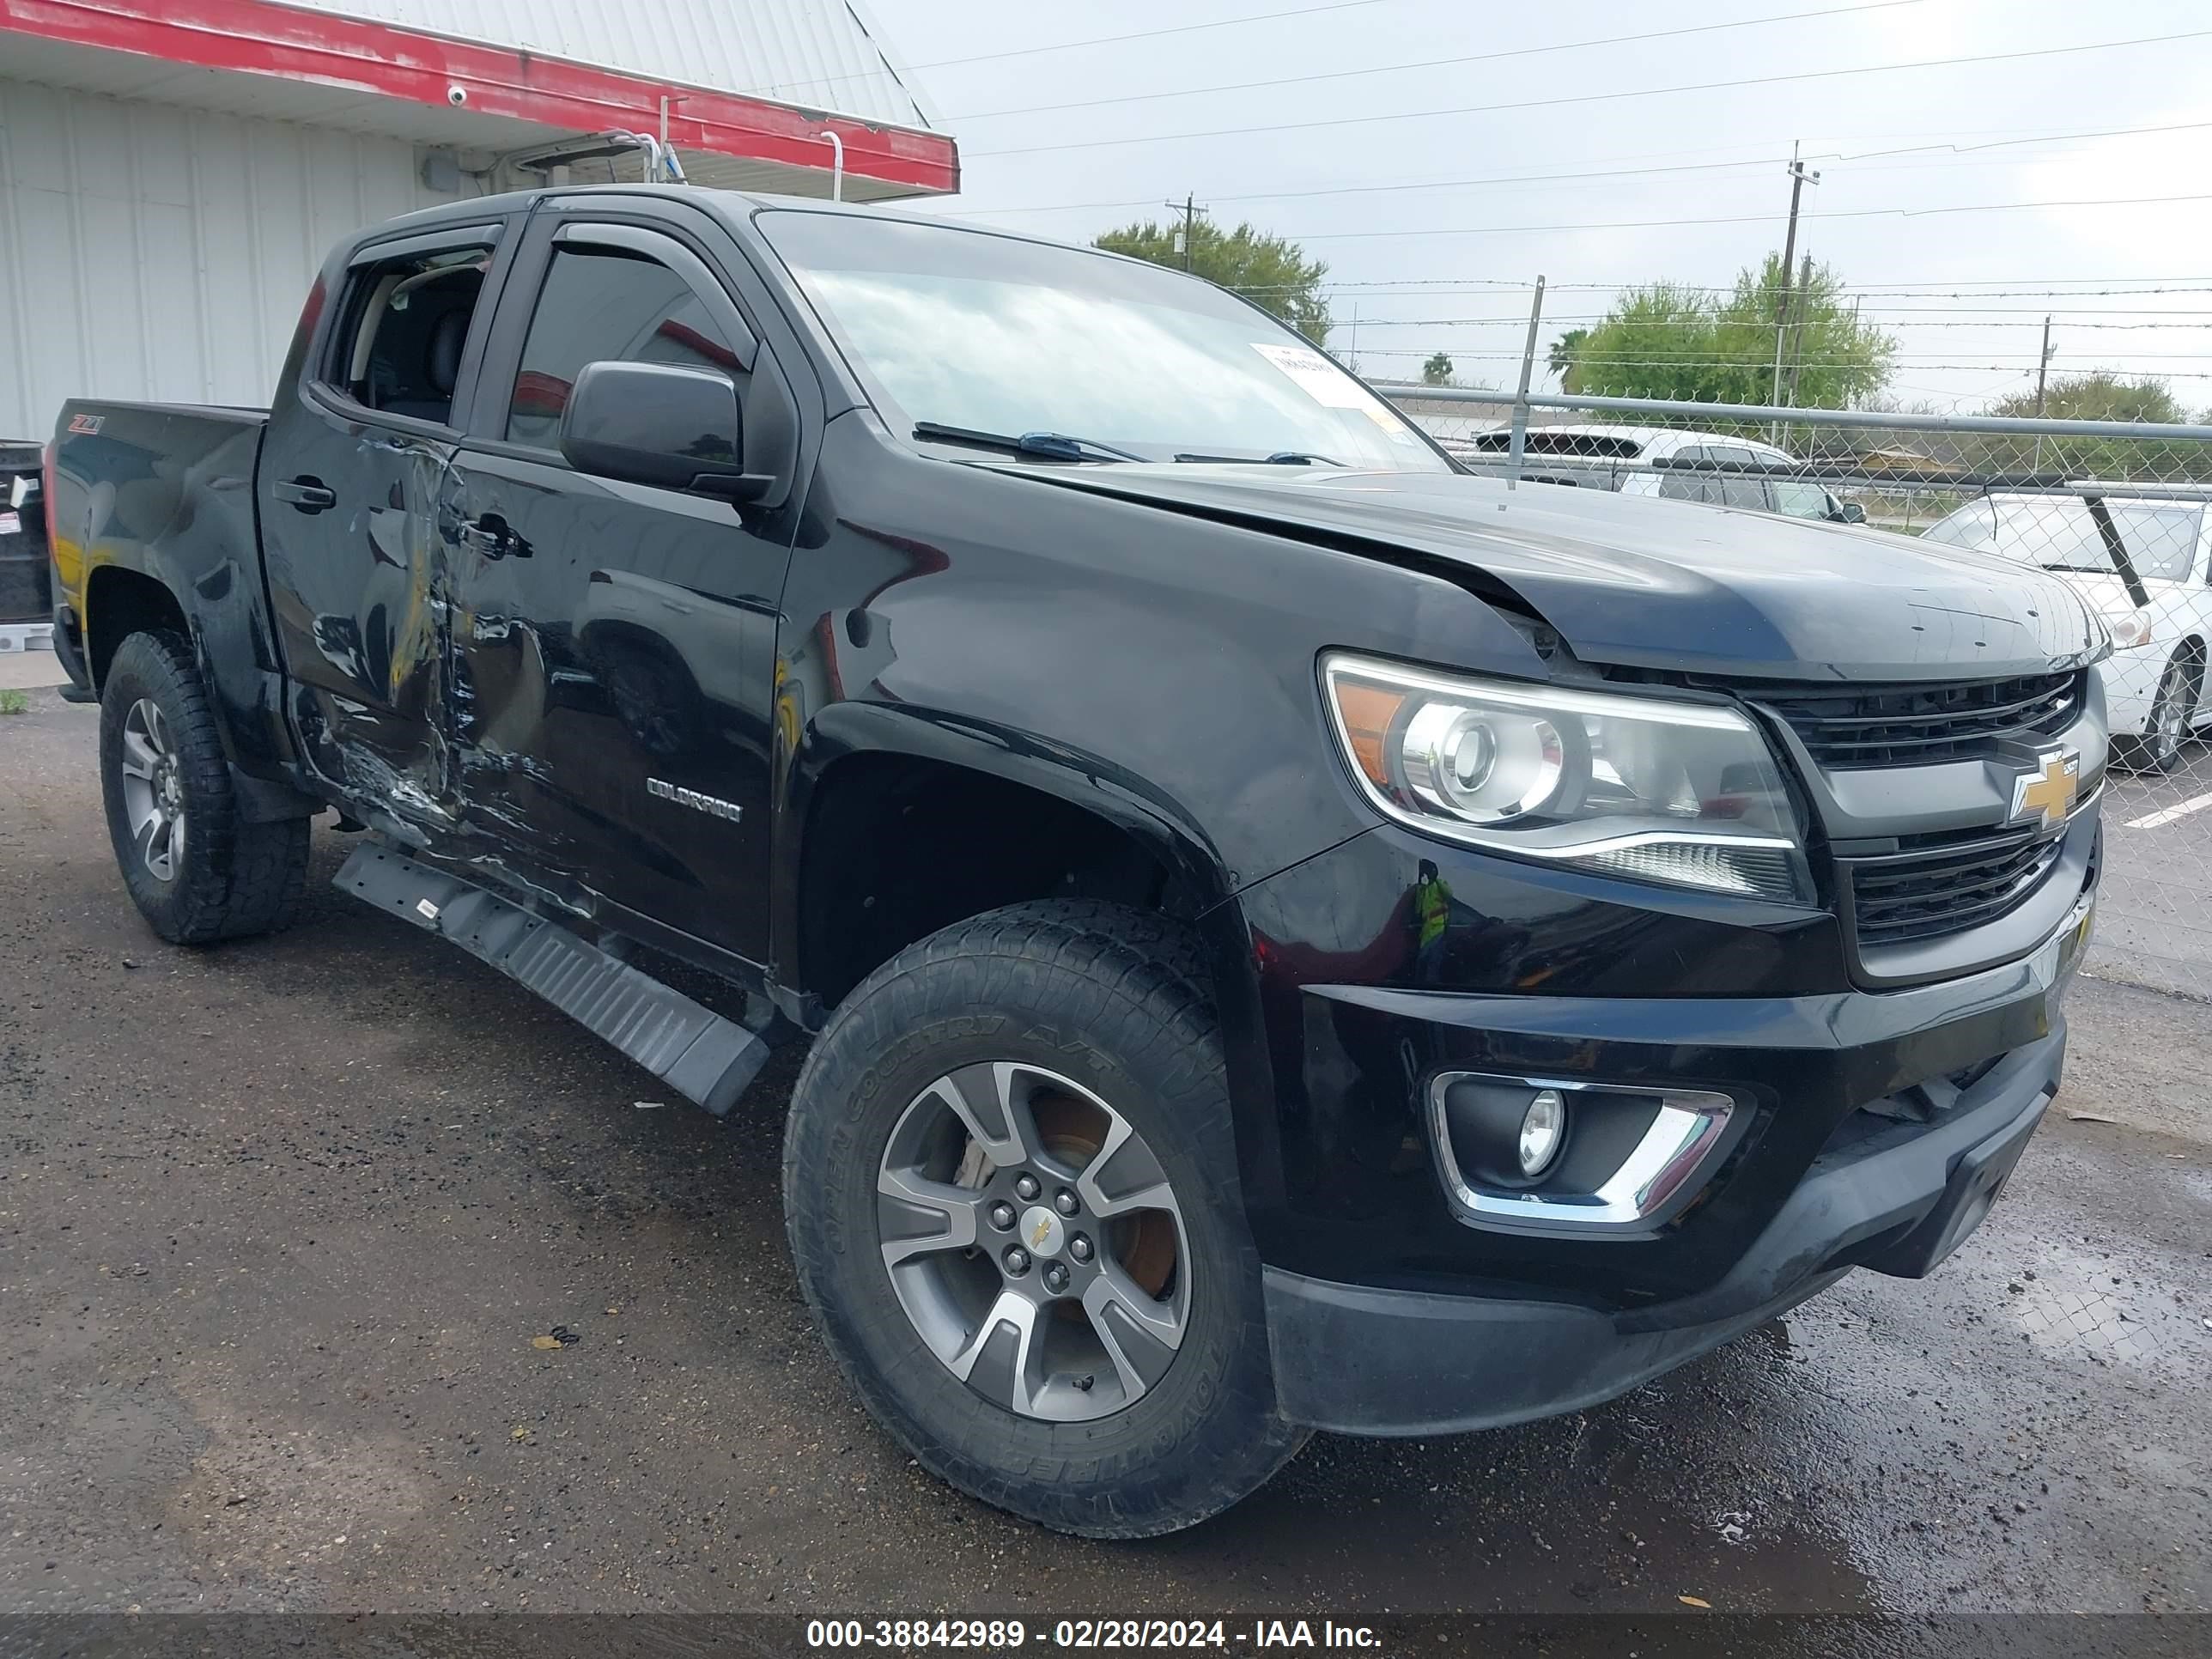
column 401, row 326
column 601, row 304
column 1684, row 486
column 1735, row 490
column 1800, row 500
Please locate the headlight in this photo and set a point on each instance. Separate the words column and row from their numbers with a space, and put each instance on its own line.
column 2130, row 630
column 1681, row 793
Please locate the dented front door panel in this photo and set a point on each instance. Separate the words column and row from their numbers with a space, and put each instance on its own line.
column 613, row 664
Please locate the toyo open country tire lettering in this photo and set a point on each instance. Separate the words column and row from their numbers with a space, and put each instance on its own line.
column 1012, row 1193
column 195, row 871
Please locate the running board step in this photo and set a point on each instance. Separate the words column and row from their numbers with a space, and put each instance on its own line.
column 693, row 1049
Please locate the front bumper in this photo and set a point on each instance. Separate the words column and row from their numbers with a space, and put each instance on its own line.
column 1395, row 1307
column 1363, row 1360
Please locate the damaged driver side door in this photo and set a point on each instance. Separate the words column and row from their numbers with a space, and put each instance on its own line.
column 614, row 644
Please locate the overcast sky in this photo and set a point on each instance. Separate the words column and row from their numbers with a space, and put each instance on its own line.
column 1475, row 227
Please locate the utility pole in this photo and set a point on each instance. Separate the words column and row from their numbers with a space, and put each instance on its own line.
column 1517, row 442
column 1797, row 332
column 1798, row 178
column 2042, row 370
column 1187, row 236
column 1804, row 299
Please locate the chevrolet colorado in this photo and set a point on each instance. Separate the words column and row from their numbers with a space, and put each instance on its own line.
column 1290, row 934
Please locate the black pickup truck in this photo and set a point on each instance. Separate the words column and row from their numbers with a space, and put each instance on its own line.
column 1290, row 934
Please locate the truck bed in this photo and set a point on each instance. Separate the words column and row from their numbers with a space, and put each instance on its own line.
column 163, row 490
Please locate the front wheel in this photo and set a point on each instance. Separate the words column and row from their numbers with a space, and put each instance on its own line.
column 1011, row 1193
column 2167, row 728
column 197, row 870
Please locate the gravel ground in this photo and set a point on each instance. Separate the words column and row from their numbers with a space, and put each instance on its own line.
column 279, row 1221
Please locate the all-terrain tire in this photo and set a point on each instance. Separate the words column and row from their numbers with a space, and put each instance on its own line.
column 1116, row 1000
column 230, row 879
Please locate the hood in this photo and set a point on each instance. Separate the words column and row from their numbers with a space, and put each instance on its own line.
column 1641, row 582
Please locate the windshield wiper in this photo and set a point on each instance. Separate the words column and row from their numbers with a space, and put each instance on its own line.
column 1053, row 446
column 1280, row 457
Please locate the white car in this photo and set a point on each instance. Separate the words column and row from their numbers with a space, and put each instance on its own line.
column 1638, row 460
column 2155, row 685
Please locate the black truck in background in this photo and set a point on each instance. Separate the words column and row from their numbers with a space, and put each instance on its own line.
column 1292, row 935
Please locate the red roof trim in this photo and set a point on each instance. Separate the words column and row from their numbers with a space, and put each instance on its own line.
column 260, row 37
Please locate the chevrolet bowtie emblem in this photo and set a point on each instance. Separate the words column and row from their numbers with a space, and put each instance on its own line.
column 2047, row 793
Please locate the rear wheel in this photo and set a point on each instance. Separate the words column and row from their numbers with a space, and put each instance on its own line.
column 197, row 872
column 2167, row 728
column 1012, row 1193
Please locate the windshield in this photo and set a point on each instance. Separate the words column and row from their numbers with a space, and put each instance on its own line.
column 2160, row 537
column 961, row 328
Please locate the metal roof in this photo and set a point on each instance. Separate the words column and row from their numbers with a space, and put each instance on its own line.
column 402, row 69
column 819, row 54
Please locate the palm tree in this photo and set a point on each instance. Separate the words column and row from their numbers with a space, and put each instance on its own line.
column 1561, row 357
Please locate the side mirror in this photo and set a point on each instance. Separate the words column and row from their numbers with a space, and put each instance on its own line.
column 661, row 424
column 1851, row 512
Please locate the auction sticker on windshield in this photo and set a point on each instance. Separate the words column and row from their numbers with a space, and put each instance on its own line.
column 1318, row 378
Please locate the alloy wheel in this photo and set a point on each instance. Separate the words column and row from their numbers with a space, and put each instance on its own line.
column 2169, row 717
column 153, row 790
column 1034, row 1240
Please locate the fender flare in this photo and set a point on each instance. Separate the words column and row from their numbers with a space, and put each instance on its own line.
column 1094, row 785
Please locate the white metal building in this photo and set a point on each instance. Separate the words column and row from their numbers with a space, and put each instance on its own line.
column 172, row 175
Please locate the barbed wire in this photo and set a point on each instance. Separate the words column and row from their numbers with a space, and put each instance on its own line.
column 1888, row 288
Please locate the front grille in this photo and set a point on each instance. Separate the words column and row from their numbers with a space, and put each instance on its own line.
column 1931, row 891
column 1922, row 724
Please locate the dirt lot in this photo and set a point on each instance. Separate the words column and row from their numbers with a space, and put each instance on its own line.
column 279, row 1221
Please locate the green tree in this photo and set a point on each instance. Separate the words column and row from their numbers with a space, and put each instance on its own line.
column 1666, row 340
column 1561, row 357
column 1273, row 274
column 2097, row 395
column 1437, row 371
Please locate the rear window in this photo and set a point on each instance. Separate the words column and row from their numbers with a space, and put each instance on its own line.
column 1594, row 446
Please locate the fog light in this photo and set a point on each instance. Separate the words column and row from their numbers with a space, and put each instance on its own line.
column 1543, row 1129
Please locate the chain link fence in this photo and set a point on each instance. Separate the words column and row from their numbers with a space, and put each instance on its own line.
column 2120, row 510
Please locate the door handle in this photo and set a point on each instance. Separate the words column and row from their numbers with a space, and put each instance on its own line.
column 494, row 538
column 307, row 493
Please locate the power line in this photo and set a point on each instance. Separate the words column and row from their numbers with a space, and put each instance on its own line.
column 1875, row 317
column 1836, row 157
column 1600, row 97
column 1072, row 45
column 1743, row 219
column 1735, row 362
column 1441, row 63
column 1897, row 288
